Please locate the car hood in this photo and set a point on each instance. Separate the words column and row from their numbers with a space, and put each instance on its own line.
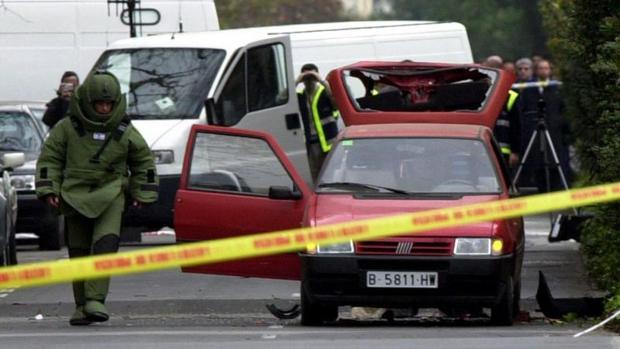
column 336, row 208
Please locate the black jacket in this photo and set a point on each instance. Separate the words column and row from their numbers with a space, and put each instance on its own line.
column 56, row 110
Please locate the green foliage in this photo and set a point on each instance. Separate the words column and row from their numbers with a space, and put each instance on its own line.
column 584, row 36
column 509, row 28
column 251, row 13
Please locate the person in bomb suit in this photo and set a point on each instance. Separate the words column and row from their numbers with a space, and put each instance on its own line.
column 88, row 162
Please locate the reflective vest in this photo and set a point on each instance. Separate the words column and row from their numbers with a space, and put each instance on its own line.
column 323, row 118
column 502, row 125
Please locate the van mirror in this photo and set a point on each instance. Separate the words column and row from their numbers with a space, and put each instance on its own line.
column 278, row 192
column 11, row 161
column 210, row 111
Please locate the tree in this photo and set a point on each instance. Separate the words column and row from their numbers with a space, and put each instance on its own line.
column 584, row 36
column 250, row 13
column 508, row 28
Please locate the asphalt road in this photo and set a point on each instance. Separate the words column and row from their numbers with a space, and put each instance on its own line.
column 171, row 309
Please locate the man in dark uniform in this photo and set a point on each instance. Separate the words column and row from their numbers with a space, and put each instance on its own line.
column 87, row 162
column 557, row 125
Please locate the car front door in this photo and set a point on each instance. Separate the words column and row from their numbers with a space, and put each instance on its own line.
column 237, row 182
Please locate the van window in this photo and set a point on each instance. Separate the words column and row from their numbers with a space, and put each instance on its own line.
column 257, row 82
column 232, row 106
column 243, row 165
column 163, row 83
column 267, row 84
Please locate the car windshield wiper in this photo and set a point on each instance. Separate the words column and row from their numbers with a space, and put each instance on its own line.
column 361, row 185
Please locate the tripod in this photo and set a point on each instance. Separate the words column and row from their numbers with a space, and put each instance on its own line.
column 563, row 227
column 542, row 135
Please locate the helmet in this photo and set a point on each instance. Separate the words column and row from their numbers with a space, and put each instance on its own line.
column 101, row 86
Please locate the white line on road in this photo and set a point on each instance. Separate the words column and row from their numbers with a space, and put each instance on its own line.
column 258, row 332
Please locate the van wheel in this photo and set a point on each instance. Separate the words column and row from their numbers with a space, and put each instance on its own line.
column 503, row 314
column 314, row 314
column 52, row 237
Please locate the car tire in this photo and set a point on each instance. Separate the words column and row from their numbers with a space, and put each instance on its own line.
column 503, row 314
column 314, row 314
column 52, row 236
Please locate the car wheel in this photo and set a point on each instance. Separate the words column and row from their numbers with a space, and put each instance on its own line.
column 314, row 314
column 502, row 314
column 52, row 236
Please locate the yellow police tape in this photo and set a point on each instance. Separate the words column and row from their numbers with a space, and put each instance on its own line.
column 296, row 239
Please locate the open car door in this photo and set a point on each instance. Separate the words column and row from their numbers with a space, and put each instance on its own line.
column 237, row 182
column 414, row 92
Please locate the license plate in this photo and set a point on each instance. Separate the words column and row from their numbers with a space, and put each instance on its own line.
column 401, row 279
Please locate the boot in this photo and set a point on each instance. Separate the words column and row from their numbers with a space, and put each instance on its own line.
column 95, row 311
column 79, row 318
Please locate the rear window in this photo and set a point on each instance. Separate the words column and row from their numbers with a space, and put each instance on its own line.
column 405, row 89
column 413, row 165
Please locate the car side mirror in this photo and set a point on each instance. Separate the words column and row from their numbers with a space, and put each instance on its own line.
column 210, row 111
column 12, row 161
column 277, row 192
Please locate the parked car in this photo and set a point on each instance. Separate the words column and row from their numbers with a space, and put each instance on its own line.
column 425, row 144
column 8, row 208
column 34, row 108
column 20, row 131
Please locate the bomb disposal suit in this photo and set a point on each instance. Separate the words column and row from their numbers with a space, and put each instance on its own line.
column 88, row 162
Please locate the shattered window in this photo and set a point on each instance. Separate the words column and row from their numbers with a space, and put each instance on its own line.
column 420, row 89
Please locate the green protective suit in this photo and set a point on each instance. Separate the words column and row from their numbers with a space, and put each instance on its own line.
column 90, row 161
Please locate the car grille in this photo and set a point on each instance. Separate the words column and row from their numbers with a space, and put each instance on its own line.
column 407, row 246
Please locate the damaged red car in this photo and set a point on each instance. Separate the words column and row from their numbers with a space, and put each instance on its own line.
column 418, row 137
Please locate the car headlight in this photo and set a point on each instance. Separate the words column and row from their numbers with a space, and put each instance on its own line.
column 163, row 156
column 472, row 247
column 23, row 182
column 343, row 247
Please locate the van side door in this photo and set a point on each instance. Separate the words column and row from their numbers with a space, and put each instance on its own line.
column 258, row 93
column 237, row 182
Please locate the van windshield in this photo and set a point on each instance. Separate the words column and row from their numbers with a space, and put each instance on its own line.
column 163, row 83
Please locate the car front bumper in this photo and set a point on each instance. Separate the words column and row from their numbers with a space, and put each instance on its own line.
column 462, row 281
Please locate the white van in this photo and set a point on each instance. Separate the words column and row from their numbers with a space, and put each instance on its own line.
column 246, row 79
column 41, row 39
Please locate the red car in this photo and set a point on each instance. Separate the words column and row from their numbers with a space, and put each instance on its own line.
column 237, row 182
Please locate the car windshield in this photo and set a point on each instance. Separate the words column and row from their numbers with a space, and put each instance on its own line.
column 18, row 133
column 163, row 83
column 409, row 89
column 410, row 166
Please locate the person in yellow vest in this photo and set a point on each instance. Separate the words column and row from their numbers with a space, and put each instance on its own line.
column 319, row 116
column 507, row 130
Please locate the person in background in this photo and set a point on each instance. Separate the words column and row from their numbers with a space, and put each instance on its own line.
column 57, row 107
column 509, row 66
column 557, row 125
column 525, row 72
column 507, row 130
column 318, row 114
